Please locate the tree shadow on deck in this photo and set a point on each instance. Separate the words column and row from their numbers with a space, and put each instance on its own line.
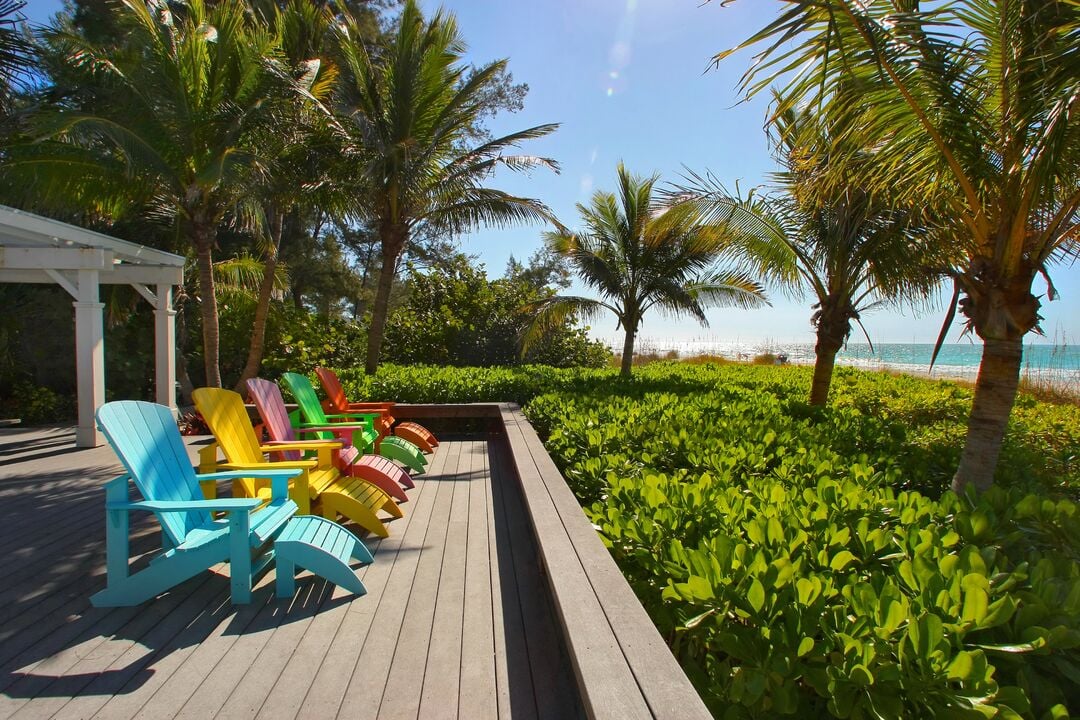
column 53, row 643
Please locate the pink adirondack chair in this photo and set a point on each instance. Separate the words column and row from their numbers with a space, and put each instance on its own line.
column 379, row 471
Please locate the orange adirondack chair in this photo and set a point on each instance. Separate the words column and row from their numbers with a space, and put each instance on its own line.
column 413, row 432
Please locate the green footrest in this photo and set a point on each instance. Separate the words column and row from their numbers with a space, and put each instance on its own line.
column 321, row 547
column 400, row 449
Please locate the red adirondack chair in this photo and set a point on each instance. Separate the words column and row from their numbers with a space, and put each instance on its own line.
column 377, row 470
column 413, row 432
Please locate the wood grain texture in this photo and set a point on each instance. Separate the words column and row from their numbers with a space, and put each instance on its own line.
column 431, row 622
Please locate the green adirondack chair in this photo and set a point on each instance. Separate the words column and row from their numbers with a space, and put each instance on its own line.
column 365, row 436
column 148, row 443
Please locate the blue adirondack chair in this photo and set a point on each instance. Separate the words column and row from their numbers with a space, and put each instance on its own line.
column 148, row 443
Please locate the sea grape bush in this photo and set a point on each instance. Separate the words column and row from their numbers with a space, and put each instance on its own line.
column 902, row 423
column 782, row 557
column 808, row 562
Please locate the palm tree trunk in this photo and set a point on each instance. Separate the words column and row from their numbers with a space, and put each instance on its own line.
column 262, row 304
column 205, row 235
column 627, row 353
column 995, row 393
column 824, row 362
column 393, row 242
column 833, row 327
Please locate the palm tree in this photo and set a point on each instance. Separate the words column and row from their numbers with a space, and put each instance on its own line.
column 166, row 128
column 640, row 255
column 16, row 56
column 852, row 251
column 410, row 107
column 973, row 107
column 300, row 153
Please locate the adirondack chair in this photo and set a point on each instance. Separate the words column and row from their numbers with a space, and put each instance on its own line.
column 366, row 440
column 148, row 443
column 275, row 418
column 321, row 488
column 415, row 433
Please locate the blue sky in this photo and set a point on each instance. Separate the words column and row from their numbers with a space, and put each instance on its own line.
column 630, row 80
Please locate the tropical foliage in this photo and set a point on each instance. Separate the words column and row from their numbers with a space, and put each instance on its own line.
column 454, row 315
column 174, row 117
column 971, row 108
column 852, row 249
column 641, row 255
column 410, row 109
column 786, row 559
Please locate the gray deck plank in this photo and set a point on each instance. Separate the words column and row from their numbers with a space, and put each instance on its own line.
column 287, row 698
column 550, row 679
column 393, row 675
column 512, row 645
column 394, row 560
column 504, row 602
column 442, row 671
column 478, row 696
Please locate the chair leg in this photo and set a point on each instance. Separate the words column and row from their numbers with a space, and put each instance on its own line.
column 286, row 578
column 240, row 557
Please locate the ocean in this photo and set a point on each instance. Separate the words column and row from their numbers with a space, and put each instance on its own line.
column 1057, row 364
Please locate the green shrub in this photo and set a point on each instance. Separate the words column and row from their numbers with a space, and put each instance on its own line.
column 810, row 562
column 35, row 405
column 782, row 555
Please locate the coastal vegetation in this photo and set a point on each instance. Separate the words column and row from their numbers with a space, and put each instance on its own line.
column 971, row 109
column 411, row 112
column 809, row 541
column 814, row 562
column 641, row 254
column 853, row 250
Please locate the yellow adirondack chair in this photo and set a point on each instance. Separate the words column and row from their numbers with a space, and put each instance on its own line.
column 321, row 489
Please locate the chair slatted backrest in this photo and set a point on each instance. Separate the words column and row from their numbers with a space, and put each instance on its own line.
column 334, row 392
column 304, row 394
column 312, row 412
column 147, row 441
column 224, row 412
column 271, row 406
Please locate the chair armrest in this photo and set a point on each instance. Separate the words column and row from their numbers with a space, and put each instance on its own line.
column 279, row 479
column 303, row 445
column 266, row 474
column 367, row 417
column 327, row 449
column 221, row 505
column 338, row 428
column 275, row 465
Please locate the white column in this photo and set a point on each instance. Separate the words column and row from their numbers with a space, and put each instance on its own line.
column 165, row 347
column 89, row 358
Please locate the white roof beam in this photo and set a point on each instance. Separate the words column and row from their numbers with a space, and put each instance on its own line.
column 17, row 258
column 119, row 275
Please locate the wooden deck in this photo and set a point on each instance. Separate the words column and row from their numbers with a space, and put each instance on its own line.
column 457, row 621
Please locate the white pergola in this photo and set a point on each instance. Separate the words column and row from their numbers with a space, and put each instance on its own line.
column 35, row 249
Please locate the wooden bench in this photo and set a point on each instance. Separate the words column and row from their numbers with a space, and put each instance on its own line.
column 622, row 665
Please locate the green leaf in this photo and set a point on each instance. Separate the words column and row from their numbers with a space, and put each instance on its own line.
column 805, row 646
column 860, row 675
column 961, row 666
column 756, row 595
column 841, row 560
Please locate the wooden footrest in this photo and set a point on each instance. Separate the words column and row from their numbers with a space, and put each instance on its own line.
column 322, row 547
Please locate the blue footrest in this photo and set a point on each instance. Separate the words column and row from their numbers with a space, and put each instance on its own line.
column 322, row 547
